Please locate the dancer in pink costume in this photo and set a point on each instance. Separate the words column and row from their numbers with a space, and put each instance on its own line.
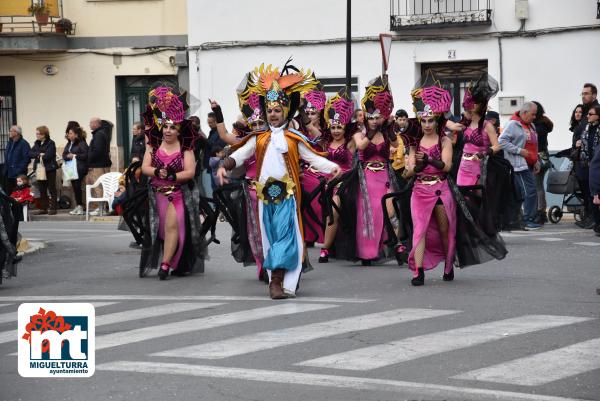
column 254, row 117
column 480, row 136
column 171, row 164
column 373, row 172
column 314, row 128
column 340, row 149
column 432, row 204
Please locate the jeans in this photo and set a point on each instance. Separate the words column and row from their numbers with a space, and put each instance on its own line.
column 525, row 187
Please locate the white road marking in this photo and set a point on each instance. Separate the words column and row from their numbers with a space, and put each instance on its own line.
column 542, row 368
column 1, row 305
column 549, row 239
column 173, row 298
column 203, row 323
column 587, row 243
column 537, row 233
column 425, row 390
column 296, row 335
column 148, row 312
column 13, row 317
column 111, row 235
column 381, row 355
column 129, row 315
column 65, row 230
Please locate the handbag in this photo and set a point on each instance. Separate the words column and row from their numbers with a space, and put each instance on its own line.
column 40, row 171
column 69, row 169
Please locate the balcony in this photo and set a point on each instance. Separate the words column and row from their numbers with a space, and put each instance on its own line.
column 430, row 14
column 21, row 32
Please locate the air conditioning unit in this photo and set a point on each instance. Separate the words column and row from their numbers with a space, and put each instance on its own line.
column 181, row 58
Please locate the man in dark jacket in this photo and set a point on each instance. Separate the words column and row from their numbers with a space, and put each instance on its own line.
column 138, row 143
column 98, row 156
column 16, row 157
column 213, row 140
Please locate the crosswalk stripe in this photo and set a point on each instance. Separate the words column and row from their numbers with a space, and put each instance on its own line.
column 204, row 323
column 150, row 311
column 174, row 298
column 549, row 239
column 124, row 316
column 587, row 243
column 1, row 305
column 295, row 335
column 378, row 356
column 13, row 317
column 278, row 377
column 542, row 368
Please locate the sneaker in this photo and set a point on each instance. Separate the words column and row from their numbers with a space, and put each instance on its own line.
column 78, row 211
column 531, row 226
column 95, row 212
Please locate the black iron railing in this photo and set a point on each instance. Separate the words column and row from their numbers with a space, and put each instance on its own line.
column 415, row 14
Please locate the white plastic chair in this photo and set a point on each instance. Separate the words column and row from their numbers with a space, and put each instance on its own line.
column 110, row 185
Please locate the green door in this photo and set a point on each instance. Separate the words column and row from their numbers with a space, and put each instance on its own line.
column 132, row 97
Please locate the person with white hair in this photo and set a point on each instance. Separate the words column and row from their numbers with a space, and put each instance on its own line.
column 518, row 132
column 16, row 158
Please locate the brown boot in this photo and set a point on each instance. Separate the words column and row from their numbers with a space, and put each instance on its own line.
column 276, row 284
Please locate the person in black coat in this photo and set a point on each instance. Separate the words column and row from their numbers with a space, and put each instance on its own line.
column 77, row 149
column 138, row 143
column 44, row 150
column 98, row 155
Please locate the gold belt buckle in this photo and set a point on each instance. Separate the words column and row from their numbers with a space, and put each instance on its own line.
column 166, row 191
column 471, row 157
column 430, row 182
column 375, row 166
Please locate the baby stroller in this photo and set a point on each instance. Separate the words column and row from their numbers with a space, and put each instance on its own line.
column 562, row 181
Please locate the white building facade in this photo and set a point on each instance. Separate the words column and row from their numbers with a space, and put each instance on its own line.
column 538, row 49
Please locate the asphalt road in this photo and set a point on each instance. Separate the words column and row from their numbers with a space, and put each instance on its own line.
column 525, row 328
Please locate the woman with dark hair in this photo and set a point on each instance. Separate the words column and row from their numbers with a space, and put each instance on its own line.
column 340, row 149
column 77, row 149
column 374, row 176
column 585, row 147
column 169, row 162
column 44, row 151
column 432, row 204
column 576, row 117
column 313, row 125
column 479, row 138
column 543, row 126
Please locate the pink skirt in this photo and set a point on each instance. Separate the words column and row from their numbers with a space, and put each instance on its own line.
column 162, row 204
column 469, row 172
column 249, row 227
column 370, row 244
column 313, row 232
column 423, row 200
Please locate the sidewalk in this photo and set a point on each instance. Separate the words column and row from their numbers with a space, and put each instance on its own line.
column 63, row 215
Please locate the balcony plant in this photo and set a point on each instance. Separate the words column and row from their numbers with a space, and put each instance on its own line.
column 63, row 25
column 41, row 13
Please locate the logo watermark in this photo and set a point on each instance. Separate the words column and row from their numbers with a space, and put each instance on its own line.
column 56, row 339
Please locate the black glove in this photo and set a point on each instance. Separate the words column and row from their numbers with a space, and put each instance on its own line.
column 218, row 114
column 171, row 175
column 437, row 163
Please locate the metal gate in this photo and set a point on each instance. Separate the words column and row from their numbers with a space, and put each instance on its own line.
column 8, row 111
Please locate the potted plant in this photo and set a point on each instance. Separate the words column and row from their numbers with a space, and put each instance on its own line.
column 41, row 13
column 63, row 25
